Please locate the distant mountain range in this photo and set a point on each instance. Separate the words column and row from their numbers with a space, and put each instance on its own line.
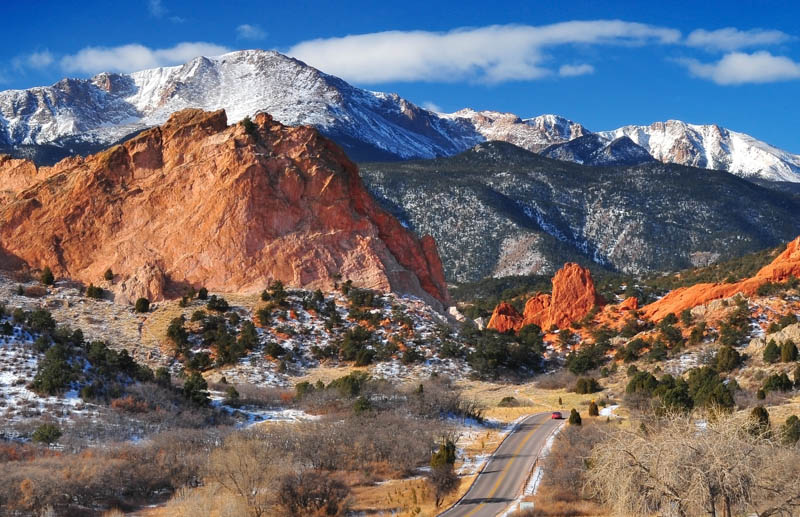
column 79, row 116
column 499, row 210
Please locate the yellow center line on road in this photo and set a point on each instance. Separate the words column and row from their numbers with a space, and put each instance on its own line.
column 504, row 471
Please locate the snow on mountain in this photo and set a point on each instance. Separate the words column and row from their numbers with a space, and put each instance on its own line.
column 110, row 106
column 712, row 147
column 592, row 149
column 533, row 134
column 83, row 115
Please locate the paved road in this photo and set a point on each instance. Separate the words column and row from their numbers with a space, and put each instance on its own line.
column 500, row 481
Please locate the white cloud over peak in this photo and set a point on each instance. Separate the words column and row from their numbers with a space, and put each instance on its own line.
column 432, row 106
column 575, row 70
column 37, row 60
column 731, row 38
column 741, row 68
column 493, row 54
column 250, row 32
column 133, row 57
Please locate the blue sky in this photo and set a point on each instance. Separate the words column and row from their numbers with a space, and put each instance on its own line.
column 736, row 64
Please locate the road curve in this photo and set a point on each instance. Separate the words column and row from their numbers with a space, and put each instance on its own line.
column 500, row 481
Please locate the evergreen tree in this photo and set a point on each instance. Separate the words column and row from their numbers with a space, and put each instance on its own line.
column 788, row 352
column 142, row 305
column 574, row 417
column 593, row 410
column 108, row 275
column 195, row 389
column 728, row 358
column 46, row 433
column 47, row 277
column 760, row 419
column 790, row 431
column 771, row 352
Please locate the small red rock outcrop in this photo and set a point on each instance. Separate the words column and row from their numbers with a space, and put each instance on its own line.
column 197, row 202
column 573, row 296
column 785, row 265
column 505, row 318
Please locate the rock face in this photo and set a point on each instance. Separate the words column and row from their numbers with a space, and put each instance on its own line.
column 196, row 202
column 785, row 265
column 573, row 297
column 505, row 318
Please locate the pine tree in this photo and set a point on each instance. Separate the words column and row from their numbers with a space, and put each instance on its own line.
column 142, row 305
column 788, row 352
column 771, row 352
column 574, row 417
column 593, row 410
column 47, row 277
column 195, row 389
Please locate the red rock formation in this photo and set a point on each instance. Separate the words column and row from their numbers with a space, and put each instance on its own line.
column 629, row 304
column 537, row 309
column 505, row 318
column 573, row 297
column 785, row 265
column 195, row 202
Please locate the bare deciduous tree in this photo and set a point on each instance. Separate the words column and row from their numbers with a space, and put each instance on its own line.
column 677, row 467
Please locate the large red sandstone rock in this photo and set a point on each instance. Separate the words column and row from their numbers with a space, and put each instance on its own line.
column 505, row 318
column 573, row 296
column 785, row 265
column 196, row 202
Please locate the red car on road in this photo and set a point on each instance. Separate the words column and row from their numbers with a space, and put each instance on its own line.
column 556, row 415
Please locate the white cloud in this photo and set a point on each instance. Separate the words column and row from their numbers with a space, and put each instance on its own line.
column 129, row 58
column 495, row 53
column 37, row 60
column 432, row 106
column 251, row 32
column 740, row 68
column 731, row 38
column 156, row 8
column 575, row 70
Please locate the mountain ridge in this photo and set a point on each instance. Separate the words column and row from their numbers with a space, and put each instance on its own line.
column 81, row 116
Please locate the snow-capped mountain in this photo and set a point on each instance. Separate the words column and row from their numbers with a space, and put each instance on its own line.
column 712, row 147
column 107, row 107
column 533, row 134
column 84, row 115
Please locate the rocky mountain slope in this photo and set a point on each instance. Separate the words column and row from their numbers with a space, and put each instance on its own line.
column 196, row 202
column 712, row 147
column 498, row 210
column 80, row 116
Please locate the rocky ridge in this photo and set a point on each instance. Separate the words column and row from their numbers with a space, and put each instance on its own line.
column 80, row 116
column 785, row 265
column 196, row 202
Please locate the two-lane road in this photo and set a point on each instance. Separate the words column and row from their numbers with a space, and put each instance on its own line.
column 501, row 479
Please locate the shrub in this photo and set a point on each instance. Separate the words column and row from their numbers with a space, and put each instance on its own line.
column 642, row 383
column 507, row 402
column 249, row 127
column 778, row 382
column 195, row 389
column 264, row 316
column 771, row 352
column 585, row 359
column 54, row 372
column 217, row 304
column 108, row 275
column 686, row 317
column 46, row 433
column 707, row 389
column 312, row 493
column 728, row 359
column 593, row 409
column 574, row 417
column 94, row 292
column 202, row 294
column 47, row 277
column 760, row 419
column 231, row 396
column 586, row 385
column 788, row 352
column 142, row 305
column 790, row 431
